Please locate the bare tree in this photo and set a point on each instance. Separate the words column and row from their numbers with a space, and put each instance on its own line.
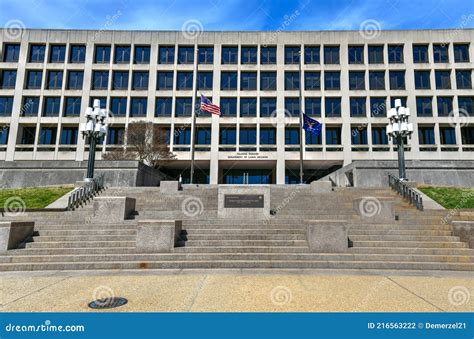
column 145, row 142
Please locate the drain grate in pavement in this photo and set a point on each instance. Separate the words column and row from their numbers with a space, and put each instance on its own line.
column 108, row 303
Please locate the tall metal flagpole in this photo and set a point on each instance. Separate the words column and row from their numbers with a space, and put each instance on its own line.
column 193, row 124
column 301, row 120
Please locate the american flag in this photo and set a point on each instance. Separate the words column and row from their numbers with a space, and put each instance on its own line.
column 208, row 106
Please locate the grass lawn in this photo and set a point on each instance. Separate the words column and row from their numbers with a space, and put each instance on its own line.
column 37, row 197
column 450, row 197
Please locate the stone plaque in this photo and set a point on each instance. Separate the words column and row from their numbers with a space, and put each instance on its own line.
column 244, row 201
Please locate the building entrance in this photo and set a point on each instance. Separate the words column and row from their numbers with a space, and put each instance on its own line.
column 247, row 176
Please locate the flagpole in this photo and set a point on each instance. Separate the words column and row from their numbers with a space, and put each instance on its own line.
column 301, row 120
column 193, row 124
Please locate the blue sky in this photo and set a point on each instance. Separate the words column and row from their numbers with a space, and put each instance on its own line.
column 237, row 14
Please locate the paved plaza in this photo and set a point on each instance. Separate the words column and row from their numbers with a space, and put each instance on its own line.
column 240, row 291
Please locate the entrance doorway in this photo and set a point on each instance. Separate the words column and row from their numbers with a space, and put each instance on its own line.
column 247, row 176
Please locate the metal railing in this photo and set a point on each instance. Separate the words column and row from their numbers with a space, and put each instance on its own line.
column 407, row 192
column 84, row 193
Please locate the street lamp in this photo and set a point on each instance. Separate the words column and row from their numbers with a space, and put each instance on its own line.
column 94, row 129
column 399, row 128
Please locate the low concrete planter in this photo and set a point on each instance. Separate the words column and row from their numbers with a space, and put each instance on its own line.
column 158, row 236
column 464, row 230
column 167, row 187
column 327, row 236
column 14, row 233
column 113, row 209
column 321, row 186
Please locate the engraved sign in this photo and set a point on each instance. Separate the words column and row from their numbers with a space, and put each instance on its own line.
column 243, row 201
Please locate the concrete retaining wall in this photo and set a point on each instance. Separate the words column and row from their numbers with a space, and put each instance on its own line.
column 44, row 173
column 432, row 172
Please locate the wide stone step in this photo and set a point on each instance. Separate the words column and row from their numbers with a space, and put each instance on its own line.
column 85, row 227
column 394, row 237
column 84, row 238
column 238, row 264
column 410, row 244
column 397, row 226
column 421, row 251
column 242, row 249
column 80, row 244
column 89, row 232
column 243, row 231
column 231, row 237
column 234, row 256
column 379, row 232
column 218, row 243
column 72, row 251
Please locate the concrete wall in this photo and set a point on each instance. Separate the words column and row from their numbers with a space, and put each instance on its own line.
column 61, row 172
column 432, row 172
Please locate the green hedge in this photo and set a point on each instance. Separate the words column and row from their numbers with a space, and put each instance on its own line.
column 450, row 197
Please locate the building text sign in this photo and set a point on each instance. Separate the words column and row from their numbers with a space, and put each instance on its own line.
column 243, row 201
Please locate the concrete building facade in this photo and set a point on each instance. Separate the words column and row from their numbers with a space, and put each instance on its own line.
column 348, row 81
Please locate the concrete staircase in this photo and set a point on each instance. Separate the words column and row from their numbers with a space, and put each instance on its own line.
column 416, row 241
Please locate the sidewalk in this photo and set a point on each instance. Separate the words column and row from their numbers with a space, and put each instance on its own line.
column 253, row 291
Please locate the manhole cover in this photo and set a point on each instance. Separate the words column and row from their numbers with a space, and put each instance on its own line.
column 108, row 303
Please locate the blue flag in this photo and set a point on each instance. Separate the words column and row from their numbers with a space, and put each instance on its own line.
column 310, row 125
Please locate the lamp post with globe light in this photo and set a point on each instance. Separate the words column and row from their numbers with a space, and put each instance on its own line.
column 93, row 129
column 398, row 128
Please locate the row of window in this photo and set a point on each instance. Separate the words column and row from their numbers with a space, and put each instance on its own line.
column 230, row 54
column 248, row 80
column 248, row 136
column 248, row 106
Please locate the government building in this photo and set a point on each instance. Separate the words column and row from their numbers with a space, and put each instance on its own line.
column 346, row 80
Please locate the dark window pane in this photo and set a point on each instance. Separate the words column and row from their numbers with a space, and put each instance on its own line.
column 228, row 80
column 165, row 81
column 445, row 106
column 377, row 80
column 102, row 54
column 248, row 107
column 331, row 54
column 426, row 136
column 51, row 106
column 140, row 81
column 163, row 107
column 228, row 107
column 101, row 80
column 440, row 53
column 424, row 107
column 55, row 80
column 378, row 107
column 248, row 136
column 37, row 53
column 397, row 80
column 292, row 81
column 204, row 80
column 311, row 55
column 185, row 55
column 75, row 79
column 356, row 54
column 228, row 136
column 184, row 107
column 184, row 80
column 461, row 52
column 141, row 55
column 30, row 106
column 120, row 80
column 6, row 106
column 463, row 79
column 312, row 106
column 357, row 80
column 292, row 54
column 292, row 107
column 357, row 107
column 422, row 80
column 206, row 55
column 443, row 80
column 375, row 54
column 118, row 106
column 267, row 107
column 268, row 81
column 248, row 55
column 33, row 79
column 138, row 107
column 333, row 135
column 420, row 53
column 72, row 106
column 447, row 135
column 268, row 55
column 332, row 107
column 78, row 54
column 11, row 52
column 332, row 80
column 166, row 55
column 122, row 54
column 312, row 80
column 395, row 54
column 69, row 136
column 248, row 81
column 229, row 55
column 57, row 53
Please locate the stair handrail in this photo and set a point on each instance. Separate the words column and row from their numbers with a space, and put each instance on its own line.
column 407, row 192
column 85, row 192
